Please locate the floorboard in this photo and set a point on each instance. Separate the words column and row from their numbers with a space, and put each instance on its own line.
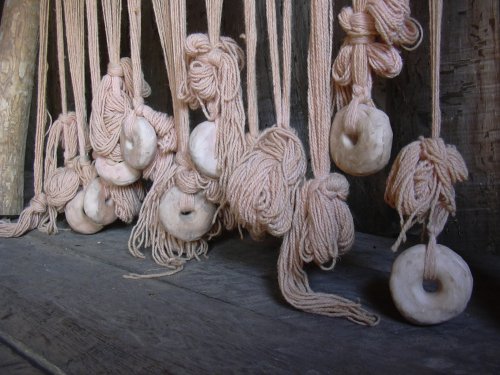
column 64, row 297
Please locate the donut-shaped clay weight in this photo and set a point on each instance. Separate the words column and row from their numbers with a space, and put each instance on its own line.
column 185, row 216
column 120, row 174
column 99, row 209
column 202, row 149
column 453, row 286
column 367, row 151
column 76, row 217
column 138, row 150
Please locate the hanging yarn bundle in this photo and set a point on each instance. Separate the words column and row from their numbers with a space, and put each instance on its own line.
column 36, row 213
column 261, row 189
column 420, row 188
column 175, row 217
column 322, row 228
column 361, row 135
column 213, row 83
column 74, row 211
column 115, row 193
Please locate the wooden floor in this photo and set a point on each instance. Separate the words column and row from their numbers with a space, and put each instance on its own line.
column 65, row 308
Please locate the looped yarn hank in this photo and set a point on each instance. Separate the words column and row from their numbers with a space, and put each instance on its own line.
column 420, row 184
column 421, row 180
column 262, row 187
column 110, row 106
column 212, row 73
column 374, row 28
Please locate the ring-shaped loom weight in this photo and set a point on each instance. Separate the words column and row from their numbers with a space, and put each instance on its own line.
column 419, row 306
column 99, row 209
column 76, row 217
column 369, row 150
column 116, row 173
column 187, row 221
column 139, row 148
column 202, row 149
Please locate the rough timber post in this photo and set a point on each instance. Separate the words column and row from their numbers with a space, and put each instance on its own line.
column 18, row 50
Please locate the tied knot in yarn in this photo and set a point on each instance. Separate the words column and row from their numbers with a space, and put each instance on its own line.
column 212, row 73
column 328, row 228
column 187, row 179
column 421, row 182
column 262, row 187
column 374, row 31
column 394, row 23
column 115, row 70
column 61, row 186
column 38, row 203
column 69, row 138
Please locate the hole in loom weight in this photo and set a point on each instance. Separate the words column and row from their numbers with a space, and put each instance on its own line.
column 349, row 140
column 431, row 286
column 186, row 213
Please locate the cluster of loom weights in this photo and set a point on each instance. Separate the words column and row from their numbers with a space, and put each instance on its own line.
column 363, row 153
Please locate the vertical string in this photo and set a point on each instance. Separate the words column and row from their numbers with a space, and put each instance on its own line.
column 41, row 114
column 287, row 62
column 251, row 42
column 74, row 11
column 60, row 56
column 214, row 16
column 181, row 114
column 436, row 11
column 112, row 10
column 319, row 92
column 134, row 11
column 93, row 45
column 273, row 52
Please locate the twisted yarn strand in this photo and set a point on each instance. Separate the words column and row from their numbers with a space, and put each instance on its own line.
column 374, row 28
column 420, row 184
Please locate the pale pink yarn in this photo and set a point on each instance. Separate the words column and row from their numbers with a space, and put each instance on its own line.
column 262, row 187
column 420, row 184
column 375, row 28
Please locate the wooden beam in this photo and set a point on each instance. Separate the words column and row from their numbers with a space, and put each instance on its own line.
column 18, row 41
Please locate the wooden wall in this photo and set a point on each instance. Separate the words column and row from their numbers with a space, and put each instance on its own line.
column 470, row 97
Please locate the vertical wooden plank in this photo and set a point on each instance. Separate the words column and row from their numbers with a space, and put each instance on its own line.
column 18, row 40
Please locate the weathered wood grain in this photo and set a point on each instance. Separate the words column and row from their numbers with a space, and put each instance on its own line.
column 64, row 297
column 18, row 41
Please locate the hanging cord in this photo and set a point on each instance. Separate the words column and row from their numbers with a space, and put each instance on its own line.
column 420, row 184
column 322, row 228
column 262, row 187
column 213, row 83
column 167, row 250
column 93, row 45
column 375, row 28
column 110, row 100
column 36, row 212
column 113, row 99
column 251, row 42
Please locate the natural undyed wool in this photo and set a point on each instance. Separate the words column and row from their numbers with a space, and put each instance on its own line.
column 420, row 184
column 167, row 250
column 375, row 28
column 111, row 100
column 261, row 189
column 322, row 227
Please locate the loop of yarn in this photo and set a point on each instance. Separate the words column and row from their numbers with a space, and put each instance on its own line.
column 261, row 188
column 374, row 28
column 421, row 180
column 213, row 73
column 328, row 228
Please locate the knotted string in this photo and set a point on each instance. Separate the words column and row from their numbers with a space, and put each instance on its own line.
column 322, row 228
column 167, row 250
column 36, row 212
column 420, row 184
column 262, row 187
column 374, row 28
